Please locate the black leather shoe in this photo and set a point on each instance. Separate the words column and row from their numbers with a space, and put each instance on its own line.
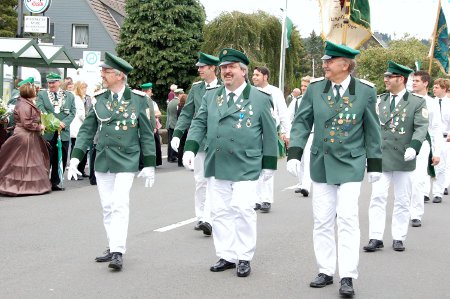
column 83, row 175
column 346, row 289
column 437, row 199
column 106, row 257
column 426, row 198
column 116, row 261
column 243, row 269
column 257, row 207
column 321, row 281
column 197, row 226
column 298, row 190
column 222, row 265
column 57, row 188
column 445, row 191
column 416, row 223
column 373, row 245
column 265, row 207
column 304, row 192
column 398, row 245
column 206, row 228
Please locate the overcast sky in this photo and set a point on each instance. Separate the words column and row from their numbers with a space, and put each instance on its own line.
column 395, row 17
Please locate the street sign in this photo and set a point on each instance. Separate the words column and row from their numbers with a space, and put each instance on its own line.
column 36, row 24
column 37, row 6
column 91, row 60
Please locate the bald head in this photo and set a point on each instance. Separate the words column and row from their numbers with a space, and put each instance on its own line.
column 296, row 92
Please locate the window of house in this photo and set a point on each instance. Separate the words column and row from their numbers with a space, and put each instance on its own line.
column 80, row 36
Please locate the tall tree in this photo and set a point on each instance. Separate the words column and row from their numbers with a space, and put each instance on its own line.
column 315, row 48
column 259, row 36
column 161, row 38
column 372, row 63
column 8, row 18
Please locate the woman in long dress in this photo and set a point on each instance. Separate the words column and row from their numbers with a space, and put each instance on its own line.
column 25, row 163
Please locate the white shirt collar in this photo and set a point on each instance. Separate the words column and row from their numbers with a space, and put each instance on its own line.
column 344, row 85
column 213, row 83
column 120, row 93
column 237, row 92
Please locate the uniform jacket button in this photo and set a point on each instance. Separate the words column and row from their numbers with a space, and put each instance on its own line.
column 217, row 149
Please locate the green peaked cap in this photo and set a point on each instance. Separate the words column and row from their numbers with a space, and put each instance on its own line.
column 334, row 50
column 115, row 62
column 27, row 80
column 146, row 86
column 395, row 68
column 52, row 77
column 228, row 56
column 206, row 59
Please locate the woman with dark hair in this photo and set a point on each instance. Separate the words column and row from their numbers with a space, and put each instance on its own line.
column 183, row 99
column 25, row 161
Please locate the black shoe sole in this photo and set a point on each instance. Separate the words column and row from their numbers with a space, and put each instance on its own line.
column 265, row 210
column 222, row 269
column 115, row 266
column 399, row 249
column 206, row 230
column 102, row 260
column 347, row 294
column 243, row 274
column 314, row 285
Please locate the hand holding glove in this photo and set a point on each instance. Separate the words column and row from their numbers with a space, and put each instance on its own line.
column 267, row 174
column 410, row 154
column 175, row 143
column 188, row 160
column 373, row 177
column 148, row 173
column 293, row 167
column 73, row 172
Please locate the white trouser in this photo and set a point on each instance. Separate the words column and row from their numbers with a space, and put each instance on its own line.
column 265, row 190
column 304, row 177
column 336, row 203
column 442, row 171
column 420, row 178
column 233, row 218
column 114, row 190
column 402, row 181
column 202, row 205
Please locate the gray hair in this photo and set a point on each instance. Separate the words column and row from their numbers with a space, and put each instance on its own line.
column 125, row 77
column 245, row 69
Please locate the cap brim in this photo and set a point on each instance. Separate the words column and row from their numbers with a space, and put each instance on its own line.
column 200, row 64
column 104, row 65
column 326, row 57
column 388, row 73
column 227, row 62
column 53, row 80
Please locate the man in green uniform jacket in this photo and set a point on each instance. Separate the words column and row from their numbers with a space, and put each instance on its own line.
column 346, row 135
column 122, row 118
column 171, row 122
column 241, row 145
column 62, row 104
column 404, row 126
column 207, row 65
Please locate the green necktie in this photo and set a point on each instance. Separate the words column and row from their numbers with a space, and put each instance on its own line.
column 337, row 98
column 208, row 86
column 393, row 102
column 230, row 99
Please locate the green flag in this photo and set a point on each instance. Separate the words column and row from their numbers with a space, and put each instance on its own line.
column 441, row 41
column 288, row 32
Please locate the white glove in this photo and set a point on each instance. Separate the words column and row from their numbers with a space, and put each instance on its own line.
column 410, row 154
column 73, row 172
column 293, row 167
column 148, row 173
column 373, row 177
column 267, row 174
column 188, row 160
column 175, row 143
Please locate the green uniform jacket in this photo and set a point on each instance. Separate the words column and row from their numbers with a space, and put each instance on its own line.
column 124, row 131
column 345, row 133
column 171, row 120
column 240, row 140
column 66, row 115
column 190, row 109
column 406, row 127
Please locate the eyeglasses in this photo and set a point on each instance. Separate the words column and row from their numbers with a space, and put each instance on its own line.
column 392, row 76
column 106, row 71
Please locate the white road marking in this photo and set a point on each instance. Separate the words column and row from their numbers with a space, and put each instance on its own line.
column 176, row 225
column 291, row 187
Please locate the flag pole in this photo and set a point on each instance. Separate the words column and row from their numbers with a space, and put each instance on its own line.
column 434, row 37
column 282, row 51
column 346, row 21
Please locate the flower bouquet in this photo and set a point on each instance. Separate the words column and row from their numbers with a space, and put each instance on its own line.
column 50, row 122
column 5, row 111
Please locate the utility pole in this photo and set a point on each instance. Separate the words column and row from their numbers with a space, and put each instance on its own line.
column 19, row 18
